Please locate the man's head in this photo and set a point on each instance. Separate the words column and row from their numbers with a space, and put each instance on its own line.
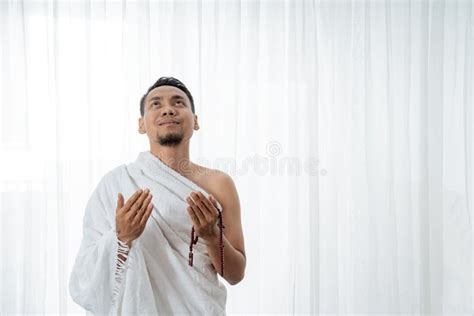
column 167, row 100
column 167, row 81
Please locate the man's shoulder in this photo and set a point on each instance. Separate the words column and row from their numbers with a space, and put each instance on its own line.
column 118, row 170
column 215, row 177
column 218, row 183
column 222, row 178
column 113, row 175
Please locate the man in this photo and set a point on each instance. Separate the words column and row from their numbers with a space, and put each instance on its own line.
column 159, row 252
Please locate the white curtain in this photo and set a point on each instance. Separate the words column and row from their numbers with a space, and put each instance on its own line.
column 347, row 127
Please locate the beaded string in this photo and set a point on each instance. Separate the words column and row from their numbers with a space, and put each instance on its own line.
column 221, row 243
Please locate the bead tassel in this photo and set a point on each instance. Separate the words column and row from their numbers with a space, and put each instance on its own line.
column 221, row 243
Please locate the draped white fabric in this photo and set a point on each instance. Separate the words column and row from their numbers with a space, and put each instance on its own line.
column 347, row 127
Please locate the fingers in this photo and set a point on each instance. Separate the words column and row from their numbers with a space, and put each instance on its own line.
column 214, row 201
column 198, row 209
column 210, row 206
column 146, row 215
column 131, row 220
column 206, row 208
column 193, row 216
column 194, row 210
column 138, row 202
column 143, row 209
column 119, row 201
column 132, row 200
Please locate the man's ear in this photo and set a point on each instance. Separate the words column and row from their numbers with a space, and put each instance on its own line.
column 196, row 123
column 141, row 126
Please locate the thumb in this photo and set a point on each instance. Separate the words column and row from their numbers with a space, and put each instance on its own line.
column 119, row 201
column 213, row 200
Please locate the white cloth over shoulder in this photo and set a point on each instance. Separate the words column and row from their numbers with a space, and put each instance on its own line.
column 156, row 277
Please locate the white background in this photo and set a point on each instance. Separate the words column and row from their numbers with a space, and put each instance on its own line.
column 375, row 98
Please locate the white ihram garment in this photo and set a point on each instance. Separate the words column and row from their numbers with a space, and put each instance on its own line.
column 156, row 277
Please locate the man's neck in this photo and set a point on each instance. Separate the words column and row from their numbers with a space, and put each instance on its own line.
column 177, row 158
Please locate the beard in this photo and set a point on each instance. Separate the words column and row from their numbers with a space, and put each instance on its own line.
column 170, row 139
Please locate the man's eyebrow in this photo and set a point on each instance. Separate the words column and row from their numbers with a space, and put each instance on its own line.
column 174, row 97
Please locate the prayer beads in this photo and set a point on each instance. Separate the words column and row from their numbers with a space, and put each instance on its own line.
column 221, row 243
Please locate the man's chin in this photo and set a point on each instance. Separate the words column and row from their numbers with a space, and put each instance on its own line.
column 171, row 139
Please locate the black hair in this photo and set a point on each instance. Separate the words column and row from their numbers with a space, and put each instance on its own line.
column 166, row 81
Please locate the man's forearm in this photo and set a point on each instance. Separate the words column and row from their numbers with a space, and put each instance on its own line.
column 234, row 260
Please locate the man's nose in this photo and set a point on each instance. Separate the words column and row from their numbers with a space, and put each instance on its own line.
column 168, row 111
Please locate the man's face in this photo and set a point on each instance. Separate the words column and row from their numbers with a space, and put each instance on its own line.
column 167, row 103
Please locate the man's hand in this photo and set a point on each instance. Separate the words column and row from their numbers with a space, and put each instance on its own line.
column 204, row 215
column 131, row 217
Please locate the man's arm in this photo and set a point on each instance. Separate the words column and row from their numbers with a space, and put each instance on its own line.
column 234, row 250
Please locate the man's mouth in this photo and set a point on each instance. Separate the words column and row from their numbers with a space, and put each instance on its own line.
column 169, row 123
